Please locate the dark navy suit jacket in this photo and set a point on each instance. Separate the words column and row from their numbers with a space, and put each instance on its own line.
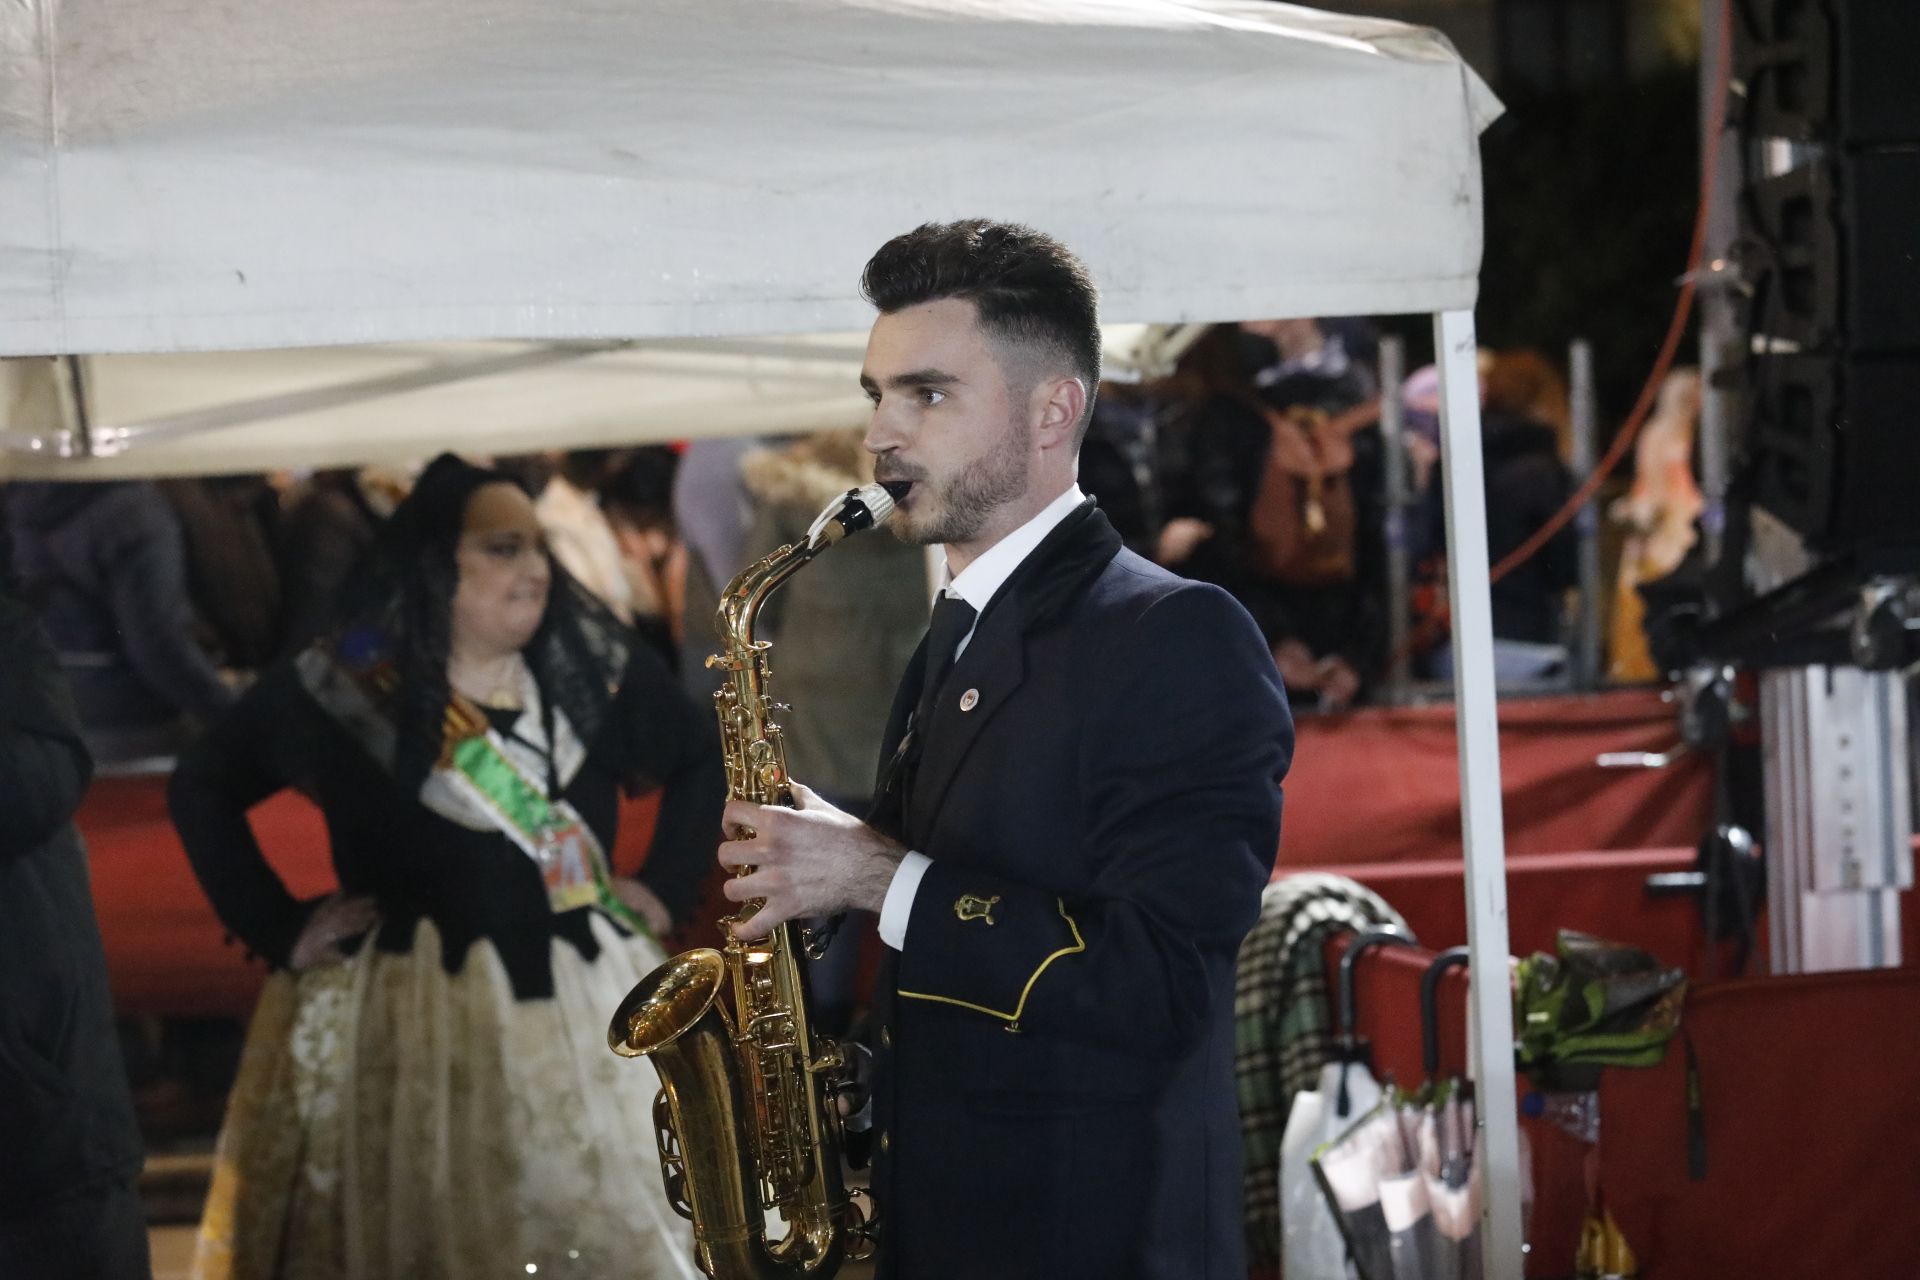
column 1098, row 789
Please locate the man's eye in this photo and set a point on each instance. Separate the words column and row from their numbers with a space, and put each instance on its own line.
column 931, row 396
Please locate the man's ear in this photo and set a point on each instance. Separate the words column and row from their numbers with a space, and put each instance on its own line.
column 1058, row 402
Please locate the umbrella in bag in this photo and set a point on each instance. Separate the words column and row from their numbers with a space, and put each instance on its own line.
column 1351, row 1170
column 1311, row 1244
column 1402, row 1181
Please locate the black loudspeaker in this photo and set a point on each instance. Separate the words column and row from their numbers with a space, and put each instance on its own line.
column 1830, row 250
column 1835, row 447
column 1833, row 252
column 1833, row 70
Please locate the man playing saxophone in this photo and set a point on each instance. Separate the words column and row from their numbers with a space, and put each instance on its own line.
column 1078, row 807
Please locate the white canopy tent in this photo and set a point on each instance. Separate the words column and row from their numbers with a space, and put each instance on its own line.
column 206, row 175
column 202, row 413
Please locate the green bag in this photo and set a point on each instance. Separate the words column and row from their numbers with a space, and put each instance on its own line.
column 1590, row 1005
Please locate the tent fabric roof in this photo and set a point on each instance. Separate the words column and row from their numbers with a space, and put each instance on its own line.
column 194, row 175
column 194, row 413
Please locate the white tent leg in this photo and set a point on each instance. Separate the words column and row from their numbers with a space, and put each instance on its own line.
column 1470, row 595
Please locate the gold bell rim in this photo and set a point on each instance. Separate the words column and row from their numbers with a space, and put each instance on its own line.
column 667, row 1002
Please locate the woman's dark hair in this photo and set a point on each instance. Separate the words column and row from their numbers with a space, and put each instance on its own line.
column 1028, row 289
column 399, row 609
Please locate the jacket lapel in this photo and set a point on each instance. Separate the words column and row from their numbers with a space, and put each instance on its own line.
column 994, row 664
column 978, row 686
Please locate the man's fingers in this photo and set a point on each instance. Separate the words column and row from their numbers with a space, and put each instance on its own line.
column 745, row 815
column 748, row 853
column 765, row 883
column 804, row 796
column 760, row 923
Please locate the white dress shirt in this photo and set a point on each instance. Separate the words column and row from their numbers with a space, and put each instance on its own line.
column 976, row 584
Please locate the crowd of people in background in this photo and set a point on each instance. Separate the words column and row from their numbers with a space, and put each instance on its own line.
column 187, row 614
column 1257, row 465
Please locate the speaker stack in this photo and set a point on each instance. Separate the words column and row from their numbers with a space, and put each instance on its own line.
column 1828, row 131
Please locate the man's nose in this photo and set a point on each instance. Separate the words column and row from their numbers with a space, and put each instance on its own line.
column 883, row 436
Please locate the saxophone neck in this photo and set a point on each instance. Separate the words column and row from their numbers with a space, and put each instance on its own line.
column 740, row 604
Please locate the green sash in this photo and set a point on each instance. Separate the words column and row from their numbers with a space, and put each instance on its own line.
column 552, row 833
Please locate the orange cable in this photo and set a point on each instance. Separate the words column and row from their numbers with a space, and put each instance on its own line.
column 1683, row 308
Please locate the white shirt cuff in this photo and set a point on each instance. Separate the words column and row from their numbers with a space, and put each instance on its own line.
column 898, row 908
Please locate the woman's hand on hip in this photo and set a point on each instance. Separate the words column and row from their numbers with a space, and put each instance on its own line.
column 645, row 903
column 336, row 920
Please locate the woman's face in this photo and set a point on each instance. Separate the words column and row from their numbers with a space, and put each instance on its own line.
column 504, row 572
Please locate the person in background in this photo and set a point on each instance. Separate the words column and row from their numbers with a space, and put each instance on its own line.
column 638, row 500
column 328, row 524
column 71, row 1148
column 712, row 512
column 1659, row 514
column 1527, row 481
column 1121, row 463
column 105, row 567
column 230, row 524
column 1278, row 498
column 578, row 532
column 426, row 1088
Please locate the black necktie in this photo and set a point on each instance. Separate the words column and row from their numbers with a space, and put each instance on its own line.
column 953, row 619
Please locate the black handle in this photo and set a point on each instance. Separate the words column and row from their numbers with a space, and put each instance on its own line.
column 1390, row 936
column 1451, row 958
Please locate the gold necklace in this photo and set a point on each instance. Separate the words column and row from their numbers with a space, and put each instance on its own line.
column 502, row 693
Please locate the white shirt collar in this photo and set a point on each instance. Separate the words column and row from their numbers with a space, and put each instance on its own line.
column 977, row 583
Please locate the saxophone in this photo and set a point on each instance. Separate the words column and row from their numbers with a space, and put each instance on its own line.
column 746, row 1118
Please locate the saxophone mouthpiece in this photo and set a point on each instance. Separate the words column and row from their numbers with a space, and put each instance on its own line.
column 853, row 511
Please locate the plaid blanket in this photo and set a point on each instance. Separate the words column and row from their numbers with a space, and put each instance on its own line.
column 1283, row 1026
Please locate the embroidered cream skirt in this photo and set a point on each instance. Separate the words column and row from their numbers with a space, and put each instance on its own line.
column 392, row 1121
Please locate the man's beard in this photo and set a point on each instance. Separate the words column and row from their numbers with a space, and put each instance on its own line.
column 968, row 499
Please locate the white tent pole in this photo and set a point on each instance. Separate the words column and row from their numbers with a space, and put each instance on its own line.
column 1470, row 593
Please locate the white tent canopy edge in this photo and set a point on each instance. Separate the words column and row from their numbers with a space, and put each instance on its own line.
column 209, row 175
column 210, row 413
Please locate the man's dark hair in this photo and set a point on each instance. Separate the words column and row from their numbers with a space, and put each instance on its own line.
column 1028, row 289
column 640, row 490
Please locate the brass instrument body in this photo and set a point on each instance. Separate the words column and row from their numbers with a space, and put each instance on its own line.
column 746, row 1119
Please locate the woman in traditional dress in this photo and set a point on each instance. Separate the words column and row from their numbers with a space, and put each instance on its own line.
column 426, row 1089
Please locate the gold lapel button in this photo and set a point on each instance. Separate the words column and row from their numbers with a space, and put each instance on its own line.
column 886, row 1038
column 970, row 699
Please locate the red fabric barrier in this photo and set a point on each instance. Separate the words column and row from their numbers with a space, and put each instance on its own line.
column 1383, row 784
column 1812, row 1124
column 166, row 952
column 1808, row 1088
